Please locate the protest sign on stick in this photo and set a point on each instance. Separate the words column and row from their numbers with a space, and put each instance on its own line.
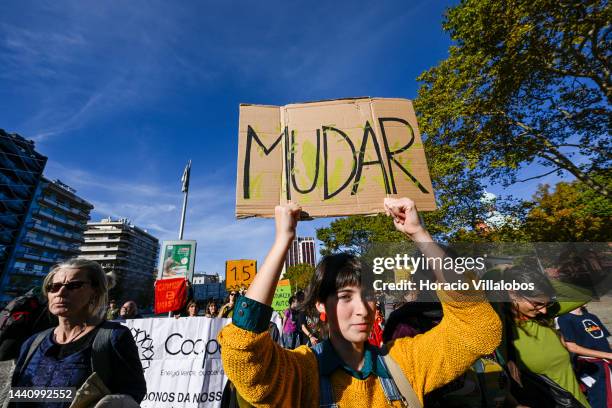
column 282, row 294
column 239, row 273
column 334, row 158
column 177, row 258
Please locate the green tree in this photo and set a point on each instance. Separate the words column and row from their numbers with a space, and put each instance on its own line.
column 356, row 232
column 299, row 275
column 526, row 81
column 573, row 212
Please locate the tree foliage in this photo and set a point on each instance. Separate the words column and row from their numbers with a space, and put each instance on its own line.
column 526, row 81
column 571, row 213
column 355, row 233
column 299, row 275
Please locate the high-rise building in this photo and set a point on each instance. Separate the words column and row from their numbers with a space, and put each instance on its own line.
column 21, row 169
column 52, row 233
column 129, row 252
column 301, row 251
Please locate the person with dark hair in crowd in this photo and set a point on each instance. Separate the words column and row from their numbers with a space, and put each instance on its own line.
column 536, row 358
column 84, row 349
column 192, row 309
column 587, row 338
column 344, row 370
column 227, row 310
column 211, row 309
column 290, row 331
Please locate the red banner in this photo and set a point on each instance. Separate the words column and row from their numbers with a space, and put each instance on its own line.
column 170, row 294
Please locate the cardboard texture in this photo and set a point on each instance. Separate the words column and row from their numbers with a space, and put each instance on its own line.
column 334, row 158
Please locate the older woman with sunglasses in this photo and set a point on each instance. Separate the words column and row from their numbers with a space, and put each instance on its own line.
column 533, row 349
column 83, row 342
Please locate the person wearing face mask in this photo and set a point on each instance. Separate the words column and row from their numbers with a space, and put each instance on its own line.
column 83, row 348
column 536, row 357
column 344, row 370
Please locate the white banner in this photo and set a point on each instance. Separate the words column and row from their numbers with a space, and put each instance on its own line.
column 182, row 361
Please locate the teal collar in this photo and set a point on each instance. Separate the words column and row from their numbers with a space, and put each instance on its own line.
column 331, row 361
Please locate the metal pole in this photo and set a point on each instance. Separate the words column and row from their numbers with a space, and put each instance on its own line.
column 183, row 215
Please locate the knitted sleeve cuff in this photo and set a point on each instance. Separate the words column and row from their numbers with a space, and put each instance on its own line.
column 252, row 315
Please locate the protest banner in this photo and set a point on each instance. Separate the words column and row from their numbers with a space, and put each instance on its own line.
column 177, row 259
column 282, row 294
column 239, row 273
column 170, row 294
column 181, row 360
column 334, row 158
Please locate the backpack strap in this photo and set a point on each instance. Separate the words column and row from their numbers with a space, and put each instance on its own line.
column 399, row 380
column 326, row 394
column 40, row 337
column 102, row 353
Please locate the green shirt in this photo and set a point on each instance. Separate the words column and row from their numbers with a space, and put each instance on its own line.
column 539, row 349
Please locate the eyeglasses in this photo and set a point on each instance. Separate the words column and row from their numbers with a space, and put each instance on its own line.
column 539, row 305
column 55, row 287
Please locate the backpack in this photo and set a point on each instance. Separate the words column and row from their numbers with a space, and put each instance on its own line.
column 484, row 385
column 22, row 317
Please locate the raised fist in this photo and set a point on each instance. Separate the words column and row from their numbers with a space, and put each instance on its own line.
column 286, row 217
column 405, row 215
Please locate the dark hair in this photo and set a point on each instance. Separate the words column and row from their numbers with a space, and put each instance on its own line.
column 530, row 275
column 333, row 272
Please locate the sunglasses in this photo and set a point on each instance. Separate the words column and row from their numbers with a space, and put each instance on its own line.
column 232, row 294
column 55, row 287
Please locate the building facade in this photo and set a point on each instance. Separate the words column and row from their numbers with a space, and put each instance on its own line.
column 301, row 251
column 21, row 169
column 129, row 252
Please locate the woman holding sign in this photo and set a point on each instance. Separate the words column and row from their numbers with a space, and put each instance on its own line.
column 345, row 370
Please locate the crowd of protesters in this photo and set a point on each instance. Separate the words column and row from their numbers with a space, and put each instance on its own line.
column 535, row 348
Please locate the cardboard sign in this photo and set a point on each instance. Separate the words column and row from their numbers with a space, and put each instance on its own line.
column 334, row 158
column 239, row 273
column 282, row 294
column 170, row 294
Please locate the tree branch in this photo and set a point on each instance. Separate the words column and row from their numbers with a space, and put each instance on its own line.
column 540, row 176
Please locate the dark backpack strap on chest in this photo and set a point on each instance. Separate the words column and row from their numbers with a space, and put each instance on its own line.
column 40, row 337
column 326, row 394
column 390, row 389
column 102, row 353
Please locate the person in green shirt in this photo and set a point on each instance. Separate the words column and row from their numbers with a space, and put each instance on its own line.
column 530, row 343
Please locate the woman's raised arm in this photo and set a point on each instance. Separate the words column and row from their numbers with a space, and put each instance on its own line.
column 262, row 288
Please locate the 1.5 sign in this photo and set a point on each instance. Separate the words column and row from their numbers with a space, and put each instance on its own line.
column 239, row 273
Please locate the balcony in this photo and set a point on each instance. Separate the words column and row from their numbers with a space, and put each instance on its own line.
column 52, row 216
column 94, row 248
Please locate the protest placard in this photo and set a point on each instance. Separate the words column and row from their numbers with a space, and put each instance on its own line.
column 334, row 158
column 177, row 259
column 170, row 294
column 181, row 359
column 282, row 294
column 239, row 273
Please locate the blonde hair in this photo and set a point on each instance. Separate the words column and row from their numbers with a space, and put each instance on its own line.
column 99, row 282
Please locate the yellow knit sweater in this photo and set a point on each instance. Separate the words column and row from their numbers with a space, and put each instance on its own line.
column 269, row 376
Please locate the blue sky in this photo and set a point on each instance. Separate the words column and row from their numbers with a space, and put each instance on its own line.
column 119, row 95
